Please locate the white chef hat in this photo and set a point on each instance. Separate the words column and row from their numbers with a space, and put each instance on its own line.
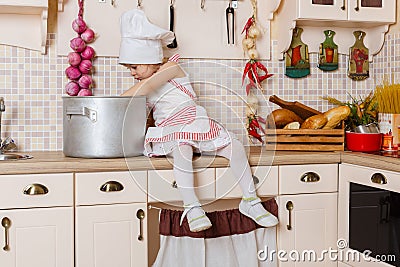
column 141, row 41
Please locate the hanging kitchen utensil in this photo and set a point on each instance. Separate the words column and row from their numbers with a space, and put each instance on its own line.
column 297, row 58
column 174, row 44
column 328, row 53
column 358, row 58
column 230, row 23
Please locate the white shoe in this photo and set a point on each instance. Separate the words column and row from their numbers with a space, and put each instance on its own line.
column 264, row 218
column 199, row 223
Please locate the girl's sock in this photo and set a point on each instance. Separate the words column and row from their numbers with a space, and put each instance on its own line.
column 184, row 176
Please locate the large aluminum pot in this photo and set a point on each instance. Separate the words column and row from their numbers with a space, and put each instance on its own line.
column 104, row 126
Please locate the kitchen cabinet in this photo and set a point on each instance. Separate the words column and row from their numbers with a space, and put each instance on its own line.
column 200, row 32
column 307, row 213
column 344, row 17
column 111, row 219
column 163, row 187
column 372, row 11
column 27, row 23
column 37, row 220
column 377, row 186
column 265, row 180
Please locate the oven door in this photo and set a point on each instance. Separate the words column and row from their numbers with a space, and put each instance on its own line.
column 368, row 216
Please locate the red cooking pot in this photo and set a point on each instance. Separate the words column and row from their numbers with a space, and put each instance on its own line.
column 363, row 142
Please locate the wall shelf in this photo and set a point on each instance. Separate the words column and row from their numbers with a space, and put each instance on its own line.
column 27, row 20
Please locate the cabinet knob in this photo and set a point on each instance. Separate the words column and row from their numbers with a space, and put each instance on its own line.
column 174, row 184
column 256, row 180
column 343, row 7
column 378, row 178
column 111, row 186
column 310, row 177
column 36, row 189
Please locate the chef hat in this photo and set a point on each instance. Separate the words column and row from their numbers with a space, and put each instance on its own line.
column 141, row 41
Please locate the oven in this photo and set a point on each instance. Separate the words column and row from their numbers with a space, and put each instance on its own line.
column 368, row 216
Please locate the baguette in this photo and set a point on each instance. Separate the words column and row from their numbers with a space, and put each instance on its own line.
column 335, row 116
column 314, row 122
column 281, row 117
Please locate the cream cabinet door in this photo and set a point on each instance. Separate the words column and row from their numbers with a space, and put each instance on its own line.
column 372, row 11
column 309, row 227
column 41, row 237
column 322, row 9
column 111, row 235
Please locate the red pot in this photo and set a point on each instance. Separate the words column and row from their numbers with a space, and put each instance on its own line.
column 363, row 142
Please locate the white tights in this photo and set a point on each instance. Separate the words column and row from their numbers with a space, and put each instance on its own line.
column 183, row 169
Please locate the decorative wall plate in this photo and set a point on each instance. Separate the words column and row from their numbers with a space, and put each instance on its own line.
column 297, row 58
column 328, row 53
column 358, row 58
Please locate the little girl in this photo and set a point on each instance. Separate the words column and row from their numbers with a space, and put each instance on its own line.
column 181, row 126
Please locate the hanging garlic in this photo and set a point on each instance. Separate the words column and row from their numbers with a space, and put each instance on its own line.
column 248, row 43
column 252, row 105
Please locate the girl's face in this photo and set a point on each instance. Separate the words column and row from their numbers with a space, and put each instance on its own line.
column 142, row 71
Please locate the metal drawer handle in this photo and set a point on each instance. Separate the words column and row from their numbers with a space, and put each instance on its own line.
column 357, row 8
column 343, row 7
column 310, row 177
column 6, row 223
column 289, row 207
column 111, row 186
column 36, row 189
column 378, row 178
column 140, row 216
column 174, row 184
column 256, row 180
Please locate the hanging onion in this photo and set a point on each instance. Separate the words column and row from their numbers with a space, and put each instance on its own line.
column 74, row 58
column 88, row 35
column 77, row 44
column 72, row 88
column 73, row 73
column 88, row 53
column 85, row 92
column 86, row 66
column 79, row 25
column 85, row 81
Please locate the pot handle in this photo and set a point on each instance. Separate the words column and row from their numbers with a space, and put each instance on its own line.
column 84, row 111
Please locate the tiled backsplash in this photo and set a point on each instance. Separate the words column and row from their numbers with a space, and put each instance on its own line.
column 33, row 84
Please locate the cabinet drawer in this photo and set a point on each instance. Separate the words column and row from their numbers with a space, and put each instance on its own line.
column 297, row 179
column 265, row 179
column 36, row 190
column 110, row 187
column 162, row 185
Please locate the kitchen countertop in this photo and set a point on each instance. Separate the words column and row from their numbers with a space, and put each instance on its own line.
column 56, row 162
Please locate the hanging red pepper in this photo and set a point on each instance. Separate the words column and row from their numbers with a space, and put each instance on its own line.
column 246, row 70
column 254, row 134
column 248, row 24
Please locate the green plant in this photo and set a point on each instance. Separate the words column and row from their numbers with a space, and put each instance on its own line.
column 362, row 111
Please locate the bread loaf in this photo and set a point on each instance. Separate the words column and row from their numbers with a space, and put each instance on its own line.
column 280, row 117
column 314, row 122
column 335, row 116
column 293, row 125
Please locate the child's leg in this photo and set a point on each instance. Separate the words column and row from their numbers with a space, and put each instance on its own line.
column 184, row 176
column 250, row 205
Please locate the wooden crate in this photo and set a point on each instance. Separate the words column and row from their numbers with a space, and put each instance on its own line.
column 305, row 139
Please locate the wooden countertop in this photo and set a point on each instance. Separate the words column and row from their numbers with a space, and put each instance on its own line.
column 56, row 162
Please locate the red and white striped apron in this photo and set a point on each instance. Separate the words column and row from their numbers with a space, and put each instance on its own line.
column 179, row 119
